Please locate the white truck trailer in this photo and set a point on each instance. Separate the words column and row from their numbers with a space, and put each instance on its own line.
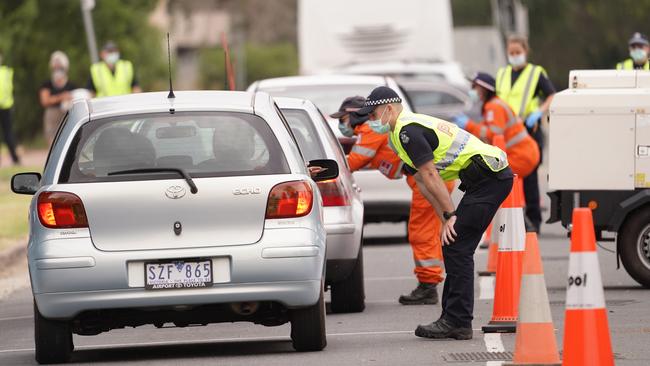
column 599, row 157
column 336, row 33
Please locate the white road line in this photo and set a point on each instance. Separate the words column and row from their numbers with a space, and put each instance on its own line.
column 16, row 318
column 202, row 341
column 486, row 288
column 493, row 342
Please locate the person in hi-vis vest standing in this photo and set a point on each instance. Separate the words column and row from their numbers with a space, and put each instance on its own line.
column 435, row 151
column 529, row 92
column 373, row 150
column 639, row 49
column 6, row 103
column 112, row 76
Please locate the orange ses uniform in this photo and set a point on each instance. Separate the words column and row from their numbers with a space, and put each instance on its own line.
column 372, row 149
column 499, row 119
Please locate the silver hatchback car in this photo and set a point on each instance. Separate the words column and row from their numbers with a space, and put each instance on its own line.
column 186, row 211
column 343, row 208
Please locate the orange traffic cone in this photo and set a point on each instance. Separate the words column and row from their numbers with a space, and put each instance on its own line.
column 535, row 342
column 512, row 240
column 586, row 332
column 491, row 234
column 493, row 237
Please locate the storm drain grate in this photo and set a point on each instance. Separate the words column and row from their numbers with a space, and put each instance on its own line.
column 477, row 356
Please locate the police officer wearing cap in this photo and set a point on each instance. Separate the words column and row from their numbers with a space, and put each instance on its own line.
column 112, row 75
column 639, row 48
column 436, row 151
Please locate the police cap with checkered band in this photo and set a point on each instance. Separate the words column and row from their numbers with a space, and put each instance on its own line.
column 379, row 96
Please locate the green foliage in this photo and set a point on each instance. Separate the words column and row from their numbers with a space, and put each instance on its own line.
column 262, row 61
column 471, row 12
column 583, row 34
column 30, row 30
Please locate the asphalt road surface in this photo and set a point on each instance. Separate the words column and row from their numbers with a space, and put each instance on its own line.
column 381, row 335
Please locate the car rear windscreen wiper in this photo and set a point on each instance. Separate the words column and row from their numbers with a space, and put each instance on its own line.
column 180, row 171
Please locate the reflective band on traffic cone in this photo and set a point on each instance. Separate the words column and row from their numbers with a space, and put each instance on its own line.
column 512, row 241
column 535, row 342
column 586, row 332
column 491, row 234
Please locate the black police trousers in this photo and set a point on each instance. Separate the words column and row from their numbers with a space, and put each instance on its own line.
column 484, row 193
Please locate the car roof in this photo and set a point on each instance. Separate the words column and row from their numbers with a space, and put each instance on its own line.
column 184, row 101
column 286, row 102
column 324, row 79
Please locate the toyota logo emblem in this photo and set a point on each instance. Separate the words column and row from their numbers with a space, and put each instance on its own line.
column 175, row 192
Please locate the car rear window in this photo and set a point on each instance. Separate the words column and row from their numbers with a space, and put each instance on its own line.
column 305, row 132
column 211, row 144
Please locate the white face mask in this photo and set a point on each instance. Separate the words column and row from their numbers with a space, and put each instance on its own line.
column 112, row 58
column 517, row 60
column 59, row 77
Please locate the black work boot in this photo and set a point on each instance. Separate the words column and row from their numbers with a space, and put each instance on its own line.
column 424, row 294
column 442, row 328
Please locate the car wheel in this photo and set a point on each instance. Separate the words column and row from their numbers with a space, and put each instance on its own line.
column 348, row 296
column 308, row 327
column 52, row 339
column 634, row 246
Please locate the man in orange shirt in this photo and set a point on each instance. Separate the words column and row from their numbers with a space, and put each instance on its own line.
column 372, row 149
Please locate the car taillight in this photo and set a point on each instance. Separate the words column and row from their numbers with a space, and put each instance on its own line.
column 61, row 210
column 290, row 199
column 333, row 193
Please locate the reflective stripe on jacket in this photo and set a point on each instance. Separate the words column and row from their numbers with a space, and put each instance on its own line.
column 520, row 96
column 372, row 150
column 629, row 65
column 6, row 87
column 455, row 146
column 500, row 119
column 107, row 83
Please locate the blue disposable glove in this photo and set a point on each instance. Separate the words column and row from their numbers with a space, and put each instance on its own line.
column 533, row 118
column 461, row 120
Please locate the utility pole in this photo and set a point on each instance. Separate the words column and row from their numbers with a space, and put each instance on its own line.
column 86, row 7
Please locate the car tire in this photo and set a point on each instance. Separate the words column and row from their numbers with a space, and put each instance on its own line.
column 348, row 296
column 308, row 326
column 52, row 339
column 634, row 246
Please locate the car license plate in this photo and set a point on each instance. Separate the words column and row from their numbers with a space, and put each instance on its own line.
column 177, row 274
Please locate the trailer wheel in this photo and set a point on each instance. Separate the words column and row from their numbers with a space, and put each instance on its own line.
column 634, row 246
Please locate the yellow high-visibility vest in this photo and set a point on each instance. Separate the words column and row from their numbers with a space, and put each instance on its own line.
column 6, row 87
column 108, row 84
column 520, row 96
column 629, row 65
column 455, row 146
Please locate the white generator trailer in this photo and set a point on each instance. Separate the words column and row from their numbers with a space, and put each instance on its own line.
column 599, row 157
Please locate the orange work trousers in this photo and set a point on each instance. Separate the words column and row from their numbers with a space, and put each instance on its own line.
column 424, row 235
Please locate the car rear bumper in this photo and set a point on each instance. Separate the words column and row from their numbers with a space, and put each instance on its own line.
column 67, row 305
column 70, row 275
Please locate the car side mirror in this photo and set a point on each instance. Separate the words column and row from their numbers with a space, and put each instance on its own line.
column 26, row 183
column 329, row 169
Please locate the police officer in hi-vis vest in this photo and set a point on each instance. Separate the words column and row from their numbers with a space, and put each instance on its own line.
column 436, row 151
column 529, row 92
column 112, row 76
column 6, row 103
column 639, row 48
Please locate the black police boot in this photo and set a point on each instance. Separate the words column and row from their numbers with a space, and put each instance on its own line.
column 424, row 294
column 442, row 328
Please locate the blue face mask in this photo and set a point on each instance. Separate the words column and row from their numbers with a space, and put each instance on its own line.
column 378, row 126
column 346, row 130
column 473, row 96
column 638, row 54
